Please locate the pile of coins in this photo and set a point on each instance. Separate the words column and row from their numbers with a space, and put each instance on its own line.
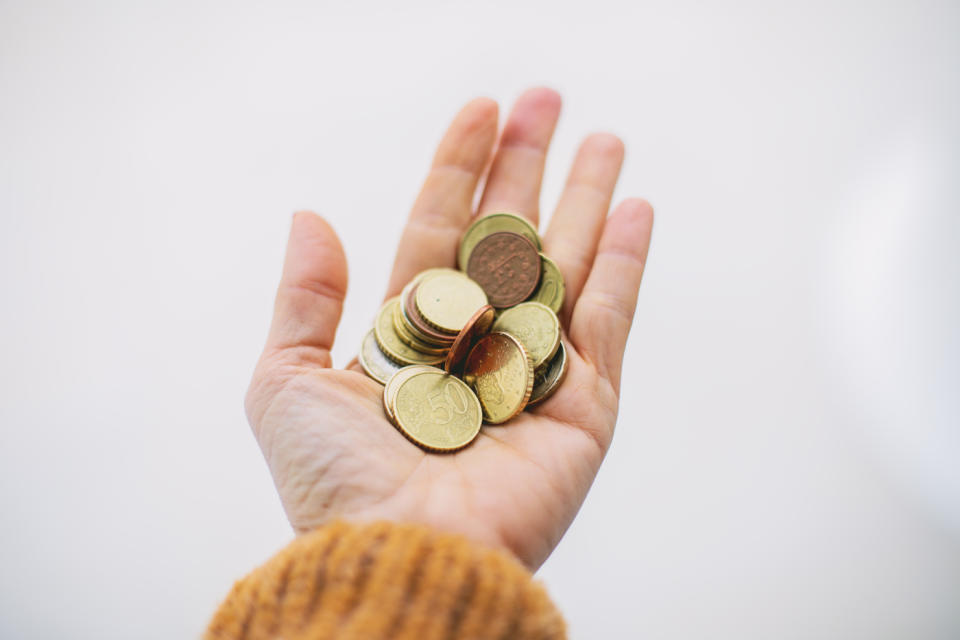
column 460, row 347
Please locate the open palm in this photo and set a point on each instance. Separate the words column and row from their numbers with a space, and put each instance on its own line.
column 329, row 446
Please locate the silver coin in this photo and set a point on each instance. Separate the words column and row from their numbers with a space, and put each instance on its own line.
column 547, row 381
column 374, row 362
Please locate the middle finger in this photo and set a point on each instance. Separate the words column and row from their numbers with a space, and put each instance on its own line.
column 517, row 171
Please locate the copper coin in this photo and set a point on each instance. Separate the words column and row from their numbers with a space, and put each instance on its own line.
column 476, row 326
column 419, row 324
column 507, row 266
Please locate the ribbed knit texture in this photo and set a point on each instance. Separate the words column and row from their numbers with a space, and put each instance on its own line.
column 387, row 580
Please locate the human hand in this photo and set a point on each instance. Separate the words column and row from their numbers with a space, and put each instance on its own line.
column 332, row 451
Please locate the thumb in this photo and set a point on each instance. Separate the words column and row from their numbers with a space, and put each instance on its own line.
column 311, row 292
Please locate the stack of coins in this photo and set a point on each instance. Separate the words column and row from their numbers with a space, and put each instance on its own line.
column 457, row 348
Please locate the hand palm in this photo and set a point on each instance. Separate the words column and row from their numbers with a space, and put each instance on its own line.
column 331, row 449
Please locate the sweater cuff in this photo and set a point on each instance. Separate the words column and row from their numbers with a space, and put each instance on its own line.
column 386, row 580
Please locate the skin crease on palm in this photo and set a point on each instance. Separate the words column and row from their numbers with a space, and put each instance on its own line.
column 332, row 451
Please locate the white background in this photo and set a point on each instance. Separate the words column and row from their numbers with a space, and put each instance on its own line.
column 787, row 458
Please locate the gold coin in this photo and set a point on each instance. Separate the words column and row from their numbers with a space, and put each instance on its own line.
column 377, row 365
column 390, row 389
column 485, row 225
column 391, row 344
column 407, row 305
column 536, row 326
column 500, row 372
column 551, row 289
column 448, row 300
column 409, row 338
column 413, row 321
column 553, row 374
column 436, row 410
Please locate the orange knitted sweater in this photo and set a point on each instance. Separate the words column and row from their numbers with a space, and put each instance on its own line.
column 386, row 580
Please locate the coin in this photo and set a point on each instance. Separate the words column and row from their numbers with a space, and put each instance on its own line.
column 485, row 225
column 377, row 365
column 391, row 344
column 500, row 372
column 406, row 335
column 551, row 289
column 390, row 389
column 415, row 322
column 553, row 374
column 500, row 353
column 447, row 300
column 507, row 266
column 476, row 326
column 535, row 325
column 436, row 410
